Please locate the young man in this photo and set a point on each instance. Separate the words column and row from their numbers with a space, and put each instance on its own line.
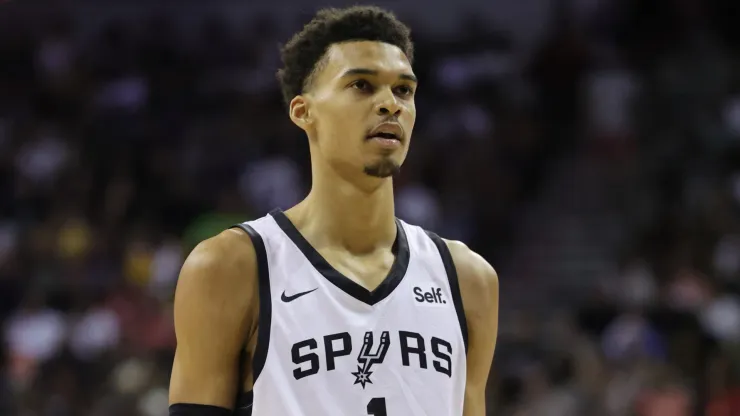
column 335, row 307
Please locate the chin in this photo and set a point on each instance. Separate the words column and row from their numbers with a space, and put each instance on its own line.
column 385, row 168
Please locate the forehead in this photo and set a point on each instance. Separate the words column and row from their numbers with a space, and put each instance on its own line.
column 377, row 56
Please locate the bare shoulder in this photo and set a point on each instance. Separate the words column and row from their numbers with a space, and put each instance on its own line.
column 220, row 265
column 478, row 279
column 218, row 280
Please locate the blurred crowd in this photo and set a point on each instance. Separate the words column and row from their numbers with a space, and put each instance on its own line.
column 658, row 333
column 120, row 151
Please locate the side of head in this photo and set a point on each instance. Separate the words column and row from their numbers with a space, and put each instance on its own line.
column 348, row 83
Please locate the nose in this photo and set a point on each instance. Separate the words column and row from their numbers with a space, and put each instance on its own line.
column 388, row 105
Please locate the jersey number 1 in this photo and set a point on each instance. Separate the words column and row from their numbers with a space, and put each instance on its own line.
column 376, row 407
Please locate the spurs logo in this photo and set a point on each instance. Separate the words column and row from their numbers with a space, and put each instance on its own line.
column 367, row 357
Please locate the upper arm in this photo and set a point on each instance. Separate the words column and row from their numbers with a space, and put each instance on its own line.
column 480, row 292
column 214, row 304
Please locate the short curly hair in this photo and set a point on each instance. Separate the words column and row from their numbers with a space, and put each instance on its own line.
column 302, row 55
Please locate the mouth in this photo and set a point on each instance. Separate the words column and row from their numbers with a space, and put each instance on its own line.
column 387, row 141
column 385, row 136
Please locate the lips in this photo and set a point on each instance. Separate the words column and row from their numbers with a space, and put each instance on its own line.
column 392, row 131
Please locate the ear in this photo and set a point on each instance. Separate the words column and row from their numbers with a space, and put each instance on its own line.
column 299, row 112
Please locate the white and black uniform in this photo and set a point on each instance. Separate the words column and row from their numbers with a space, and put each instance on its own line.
column 326, row 346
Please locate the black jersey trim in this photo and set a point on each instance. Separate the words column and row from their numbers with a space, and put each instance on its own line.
column 449, row 264
column 265, row 303
column 347, row 285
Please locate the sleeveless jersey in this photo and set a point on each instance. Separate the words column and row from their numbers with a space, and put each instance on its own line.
column 327, row 346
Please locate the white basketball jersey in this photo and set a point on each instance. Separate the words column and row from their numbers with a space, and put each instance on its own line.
column 329, row 347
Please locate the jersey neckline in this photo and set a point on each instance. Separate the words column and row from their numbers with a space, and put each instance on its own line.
column 347, row 285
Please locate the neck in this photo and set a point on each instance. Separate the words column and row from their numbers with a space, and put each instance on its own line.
column 338, row 212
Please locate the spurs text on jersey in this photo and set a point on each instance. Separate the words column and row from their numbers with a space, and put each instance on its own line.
column 413, row 348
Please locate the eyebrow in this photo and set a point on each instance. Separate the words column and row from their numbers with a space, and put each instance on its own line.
column 366, row 71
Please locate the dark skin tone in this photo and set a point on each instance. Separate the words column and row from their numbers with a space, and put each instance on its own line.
column 348, row 217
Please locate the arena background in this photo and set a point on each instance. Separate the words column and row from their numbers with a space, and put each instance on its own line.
column 589, row 149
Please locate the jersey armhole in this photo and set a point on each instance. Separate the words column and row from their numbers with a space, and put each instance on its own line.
column 264, row 322
column 444, row 253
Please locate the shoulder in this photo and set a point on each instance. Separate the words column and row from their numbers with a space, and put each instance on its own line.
column 231, row 247
column 218, row 259
column 221, row 269
column 477, row 279
column 473, row 271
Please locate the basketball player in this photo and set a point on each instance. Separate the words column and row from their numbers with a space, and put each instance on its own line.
column 335, row 307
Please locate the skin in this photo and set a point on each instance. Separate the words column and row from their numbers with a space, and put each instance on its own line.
column 348, row 217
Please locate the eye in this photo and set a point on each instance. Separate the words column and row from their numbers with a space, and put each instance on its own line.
column 362, row 85
column 404, row 90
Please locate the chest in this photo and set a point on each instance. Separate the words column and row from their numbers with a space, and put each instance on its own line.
column 414, row 330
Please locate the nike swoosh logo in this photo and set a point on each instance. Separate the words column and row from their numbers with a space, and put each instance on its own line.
column 291, row 298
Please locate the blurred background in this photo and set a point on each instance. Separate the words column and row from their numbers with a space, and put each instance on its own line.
column 589, row 149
